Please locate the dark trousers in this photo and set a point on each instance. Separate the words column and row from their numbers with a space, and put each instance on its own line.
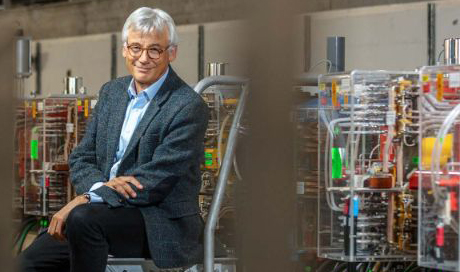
column 93, row 231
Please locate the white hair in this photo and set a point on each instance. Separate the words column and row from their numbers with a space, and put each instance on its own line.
column 147, row 20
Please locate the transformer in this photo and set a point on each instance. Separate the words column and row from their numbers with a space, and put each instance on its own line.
column 46, row 134
column 439, row 164
column 366, row 201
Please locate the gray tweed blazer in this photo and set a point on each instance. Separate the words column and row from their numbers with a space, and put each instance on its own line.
column 164, row 154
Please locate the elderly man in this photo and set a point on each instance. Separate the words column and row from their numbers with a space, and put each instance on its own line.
column 137, row 169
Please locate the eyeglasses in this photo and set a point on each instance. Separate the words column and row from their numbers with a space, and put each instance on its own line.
column 136, row 51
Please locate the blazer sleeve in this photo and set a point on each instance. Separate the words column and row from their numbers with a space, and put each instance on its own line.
column 84, row 171
column 173, row 158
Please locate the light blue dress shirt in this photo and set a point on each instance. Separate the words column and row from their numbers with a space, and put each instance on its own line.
column 137, row 106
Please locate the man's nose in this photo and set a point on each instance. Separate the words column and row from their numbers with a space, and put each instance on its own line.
column 144, row 57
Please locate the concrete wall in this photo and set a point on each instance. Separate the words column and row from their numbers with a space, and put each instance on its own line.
column 447, row 22
column 89, row 56
column 392, row 37
column 225, row 42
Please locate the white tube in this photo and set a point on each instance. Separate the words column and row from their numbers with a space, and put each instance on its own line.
column 436, row 155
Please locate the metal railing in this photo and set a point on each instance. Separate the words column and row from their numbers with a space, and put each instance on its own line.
column 219, row 192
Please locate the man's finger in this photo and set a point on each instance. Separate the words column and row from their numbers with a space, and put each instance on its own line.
column 129, row 190
column 135, row 182
column 51, row 226
column 58, row 230
column 121, row 190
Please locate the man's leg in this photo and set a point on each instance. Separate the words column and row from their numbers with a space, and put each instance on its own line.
column 45, row 254
column 94, row 231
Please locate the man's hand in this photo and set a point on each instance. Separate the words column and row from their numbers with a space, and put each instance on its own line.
column 56, row 228
column 120, row 184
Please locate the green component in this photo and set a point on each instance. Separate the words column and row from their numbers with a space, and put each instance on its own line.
column 337, row 130
column 208, row 162
column 415, row 160
column 208, row 155
column 308, row 269
column 336, row 163
column 34, row 149
column 45, row 223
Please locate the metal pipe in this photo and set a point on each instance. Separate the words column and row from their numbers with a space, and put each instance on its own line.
column 451, row 51
column 218, row 80
column 336, row 54
column 219, row 192
column 431, row 33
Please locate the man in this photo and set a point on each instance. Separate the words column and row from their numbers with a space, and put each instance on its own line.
column 137, row 169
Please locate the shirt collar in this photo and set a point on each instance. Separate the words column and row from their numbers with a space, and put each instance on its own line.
column 151, row 90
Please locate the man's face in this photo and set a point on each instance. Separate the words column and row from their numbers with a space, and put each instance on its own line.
column 145, row 69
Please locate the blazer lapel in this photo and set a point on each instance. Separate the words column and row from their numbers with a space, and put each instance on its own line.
column 162, row 95
column 119, row 101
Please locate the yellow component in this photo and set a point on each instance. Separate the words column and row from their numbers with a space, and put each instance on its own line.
column 78, row 102
column 322, row 87
column 86, row 110
column 425, row 78
column 231, row 101
column 34, row 109
column 334, row 93
column 404, row 84
column 210, row 158
column 427, row 150
column 345, row 98
column 440, row 86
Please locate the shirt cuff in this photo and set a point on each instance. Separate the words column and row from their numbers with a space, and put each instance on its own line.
column 95, row 198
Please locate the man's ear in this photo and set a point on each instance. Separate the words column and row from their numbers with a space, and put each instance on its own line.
column 172, row 53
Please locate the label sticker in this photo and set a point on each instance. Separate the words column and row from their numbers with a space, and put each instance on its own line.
column 391, row 118
column 454, row 79
column 322, row 86
column 40, row 106
column 345, row 84
column 69, row 127
column 93, row 103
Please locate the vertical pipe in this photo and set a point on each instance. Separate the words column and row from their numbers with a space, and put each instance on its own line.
column 431, row 34
column 38, row 68
column 23, row 57
column 113, row 56
column 200, row 52
column 336, row 54
column 452, row 51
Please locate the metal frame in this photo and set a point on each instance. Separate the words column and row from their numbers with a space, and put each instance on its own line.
column 219, row 192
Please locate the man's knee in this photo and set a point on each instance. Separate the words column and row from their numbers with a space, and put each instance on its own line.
column 79, row 220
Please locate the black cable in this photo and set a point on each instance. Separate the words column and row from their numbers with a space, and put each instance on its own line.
column 341, row 268
column 324, row 265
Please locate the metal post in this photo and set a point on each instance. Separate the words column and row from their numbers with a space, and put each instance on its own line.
column 219, row 192
column 336, row 54
column 431, row 34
